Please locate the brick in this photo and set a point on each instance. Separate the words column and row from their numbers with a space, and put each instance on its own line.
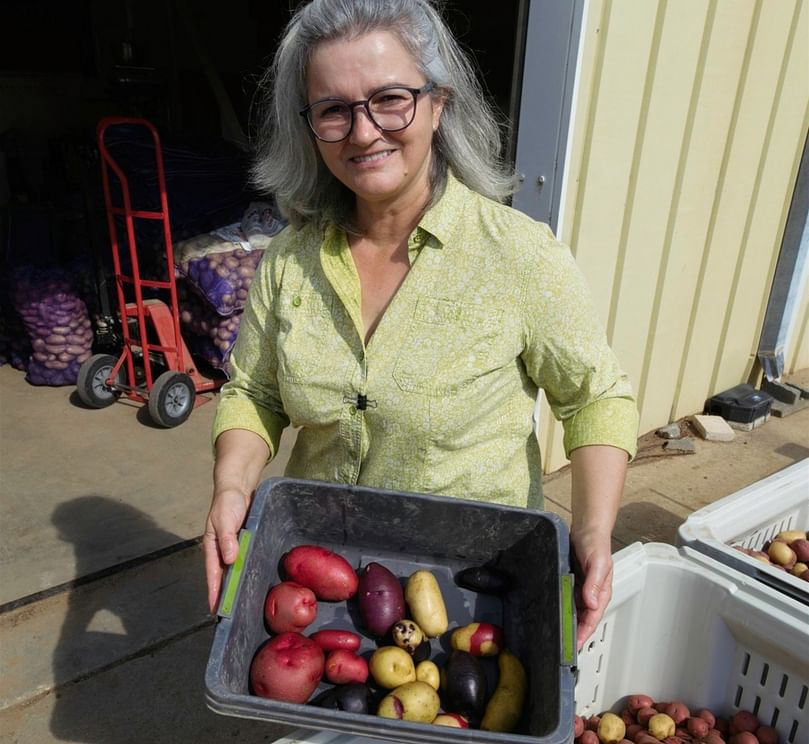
column 713, row 428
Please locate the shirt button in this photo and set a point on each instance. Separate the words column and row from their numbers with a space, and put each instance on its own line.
column 296, row 301
column 352, row 409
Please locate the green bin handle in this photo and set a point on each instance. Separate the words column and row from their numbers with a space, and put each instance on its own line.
column 234, row 576
column 568, row 621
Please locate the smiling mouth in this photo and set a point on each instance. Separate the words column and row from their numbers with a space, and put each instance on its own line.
column 373, row 157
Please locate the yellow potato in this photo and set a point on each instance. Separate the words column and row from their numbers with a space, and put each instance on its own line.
column 414, row 701
column 423, row 596
column 427, row 671
column 611, row 729
column 505, row 706
column 661, row 726
column 789, row 535
column 391, row 667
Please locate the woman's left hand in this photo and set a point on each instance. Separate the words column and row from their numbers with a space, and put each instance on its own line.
column 598, row 474
column 594, row 582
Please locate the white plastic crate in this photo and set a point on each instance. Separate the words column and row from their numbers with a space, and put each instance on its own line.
column 750, row 517
column 684, row 626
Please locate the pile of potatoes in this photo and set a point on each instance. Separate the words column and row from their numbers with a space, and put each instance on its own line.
column 643, row 720
column 788, row 550
column 211, row 335
column 223, row 278
column 397, row 680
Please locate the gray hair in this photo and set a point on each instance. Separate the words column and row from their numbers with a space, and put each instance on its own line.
column 288, row 165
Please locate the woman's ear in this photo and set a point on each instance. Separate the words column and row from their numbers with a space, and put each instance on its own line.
column 438, row 99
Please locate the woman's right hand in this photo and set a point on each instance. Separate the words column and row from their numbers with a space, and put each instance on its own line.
column 220, row 541
column 240, row 459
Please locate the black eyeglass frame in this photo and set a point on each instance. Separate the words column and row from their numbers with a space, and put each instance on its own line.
column 415, row 92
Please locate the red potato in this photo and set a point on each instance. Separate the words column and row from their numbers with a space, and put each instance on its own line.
column 343, row 667
column 801, row 549
column 707, row 716
column 744, row 737
column 677, row 711
column 591, row 723
column 644, row 715
column 288, row 667
column 332, row 640
column 743, row 721
column 627, row 717
column 697, row 726
column 713, row 737
column 578, row 726
column 289, row 607
column 635, row 702
column 327, row 574
column 381, row 599
column 767, row 735
column 589, row 737
column 633, row 730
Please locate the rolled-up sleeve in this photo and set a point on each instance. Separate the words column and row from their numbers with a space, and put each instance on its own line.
column 566, row 354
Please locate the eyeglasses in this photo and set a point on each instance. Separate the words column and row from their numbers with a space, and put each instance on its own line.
column 391, row 109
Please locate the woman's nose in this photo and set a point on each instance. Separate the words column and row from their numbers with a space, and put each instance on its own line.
column 364, row 129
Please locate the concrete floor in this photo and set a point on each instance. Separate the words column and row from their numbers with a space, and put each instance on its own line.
column 104, row 632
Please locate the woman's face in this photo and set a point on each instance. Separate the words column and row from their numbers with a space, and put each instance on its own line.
column 383, row 169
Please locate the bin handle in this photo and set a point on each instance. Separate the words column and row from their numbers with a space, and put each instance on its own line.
column 568, row 620
column 233, row 579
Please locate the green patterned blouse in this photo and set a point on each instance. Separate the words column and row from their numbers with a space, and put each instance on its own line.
column 441, row 399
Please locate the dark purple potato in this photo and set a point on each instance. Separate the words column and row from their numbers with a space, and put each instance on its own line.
column 483, row 579
column 381, row 599
column 354, row 698
column 463, row 685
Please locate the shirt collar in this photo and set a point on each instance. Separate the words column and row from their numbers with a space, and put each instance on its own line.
column 440, row 219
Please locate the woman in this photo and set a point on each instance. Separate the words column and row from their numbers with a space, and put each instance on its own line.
column 406, row 319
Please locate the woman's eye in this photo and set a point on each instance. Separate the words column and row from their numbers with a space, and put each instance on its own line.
column 333, row 111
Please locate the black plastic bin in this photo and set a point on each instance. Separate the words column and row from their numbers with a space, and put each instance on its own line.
column 405, row 532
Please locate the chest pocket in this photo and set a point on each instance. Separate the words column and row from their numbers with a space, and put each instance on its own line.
column 306, row 324
column 447, row 346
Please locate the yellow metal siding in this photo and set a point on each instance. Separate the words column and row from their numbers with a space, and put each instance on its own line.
column 689, row 124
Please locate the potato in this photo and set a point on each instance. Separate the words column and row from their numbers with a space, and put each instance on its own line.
column 644, row 715
column 635, row 702
column 505, row 706
column 483, row 579
column 591, row 723
column 633, row 730
column 392, row 667
column 799, row 568
column 789, row 535
column 707, row 716
column 343, row 667
column 767, row 735
column 453, row 720
column 288, row 667
column 661, row 725
column 781, row 554
column 742, row 721
column 407, row 635
column 588, row 737
column 427, row 671
column 677, row 711
column 611, row 729
column 412, row 701
column 578, row 726
column 426, row 603
column 697, row 727
column 381, row 599
column 744, row 737
column 463, row 685
column 289, row 607
column 331, row 639
column 801, row 549
column 479, row 639
column 327, row 574
column 713, row 737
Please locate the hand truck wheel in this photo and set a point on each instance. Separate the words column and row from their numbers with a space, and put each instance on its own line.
column 91, row 384
column 171, row 399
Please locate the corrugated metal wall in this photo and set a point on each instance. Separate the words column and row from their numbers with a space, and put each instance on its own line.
column 689, row 122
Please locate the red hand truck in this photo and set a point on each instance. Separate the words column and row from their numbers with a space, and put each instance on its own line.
column 150, row 328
